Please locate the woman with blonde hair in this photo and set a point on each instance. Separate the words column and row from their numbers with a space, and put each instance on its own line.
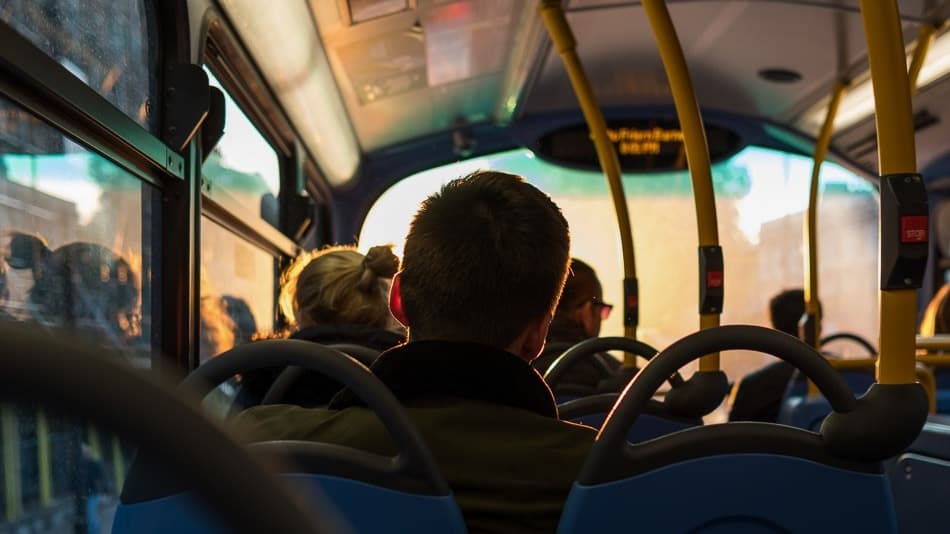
column 329, row 296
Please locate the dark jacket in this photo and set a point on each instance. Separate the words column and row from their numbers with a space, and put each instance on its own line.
column 314, row 389
column 759, row 395
column 487, row 416
column 585, row 377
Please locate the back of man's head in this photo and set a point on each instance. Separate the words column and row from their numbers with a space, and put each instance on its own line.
column 484, row 257
column 786, row 309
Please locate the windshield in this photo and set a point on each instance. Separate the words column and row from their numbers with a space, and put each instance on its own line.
column 761, row 197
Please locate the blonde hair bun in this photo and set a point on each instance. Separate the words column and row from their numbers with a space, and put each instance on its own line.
column 381, row 261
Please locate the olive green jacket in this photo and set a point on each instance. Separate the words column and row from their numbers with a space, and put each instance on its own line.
column 488, row 418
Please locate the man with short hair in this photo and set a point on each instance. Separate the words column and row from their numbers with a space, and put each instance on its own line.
column 484, row 264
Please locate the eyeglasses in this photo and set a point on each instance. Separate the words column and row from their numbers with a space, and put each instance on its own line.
column 605, row 308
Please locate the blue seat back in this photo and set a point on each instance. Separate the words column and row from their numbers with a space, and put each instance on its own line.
column 368, row 508
column 920, row 479
column 804, row 412
column 655, row 422
column 942, row 378
column 801, row 411
column 858, row 381
column 647, row 426
column 735, row 493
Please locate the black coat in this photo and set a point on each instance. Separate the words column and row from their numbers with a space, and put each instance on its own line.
column 314, row 389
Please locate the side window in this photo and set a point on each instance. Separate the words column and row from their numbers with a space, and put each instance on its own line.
column 76, row 252
column 237, row 290
column 108, row 44
column 243, row 171
column 75, row 243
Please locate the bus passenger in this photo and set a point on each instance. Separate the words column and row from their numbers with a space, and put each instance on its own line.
column 578, row 317
column 485, row 261
column 758, row 396
column 334, row 295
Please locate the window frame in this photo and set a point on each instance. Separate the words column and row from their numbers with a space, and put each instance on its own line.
column 41, row 86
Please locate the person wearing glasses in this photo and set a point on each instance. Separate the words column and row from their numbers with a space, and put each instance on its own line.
column 578, row 316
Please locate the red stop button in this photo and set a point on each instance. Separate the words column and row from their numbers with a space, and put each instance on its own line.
column 914, row 229
column 714, row 279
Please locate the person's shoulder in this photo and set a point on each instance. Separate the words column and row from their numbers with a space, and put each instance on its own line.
column 278, row 421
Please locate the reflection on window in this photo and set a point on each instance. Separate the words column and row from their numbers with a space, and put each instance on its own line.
column 761, row 197
column 107, row 44
column 237, row 290
column 75, row 254
column 243, row 170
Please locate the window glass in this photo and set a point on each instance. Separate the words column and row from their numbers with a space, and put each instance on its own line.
column 761, row 196
column 237, row 290
column 76, row 253
column 109, row 45
column 243, row 171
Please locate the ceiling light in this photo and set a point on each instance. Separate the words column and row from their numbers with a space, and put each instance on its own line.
column 857, row 103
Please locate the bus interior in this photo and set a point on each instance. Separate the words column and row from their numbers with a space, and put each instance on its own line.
column 172, row 158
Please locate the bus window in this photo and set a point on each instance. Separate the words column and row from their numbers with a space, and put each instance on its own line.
column 75, row 253
column 237, row 290
column 74, row 239
column 110, row 45
column 243, row 171
column 761, row 197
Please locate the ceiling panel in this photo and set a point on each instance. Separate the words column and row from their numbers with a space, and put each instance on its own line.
column 425, row 70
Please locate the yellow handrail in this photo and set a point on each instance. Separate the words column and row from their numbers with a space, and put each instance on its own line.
column 694, row 138
column 924, row 39
column 44, row 459
column 810, row 228
column 560, row 31
column 940, row 342
column 895, row 137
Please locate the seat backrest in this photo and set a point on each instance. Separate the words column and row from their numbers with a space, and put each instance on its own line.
column 653, row 423
column 803, row 411
column 758, row 493
column 920, row 478
column 742, row 476
column 378, row 493
column 367, row 507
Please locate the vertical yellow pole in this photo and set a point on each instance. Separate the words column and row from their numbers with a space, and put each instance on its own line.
column 563, row 39
column 812, row 324
column 95, row 443
column 924, row 39
column 118, row 464
column 43, row 458
column 10, row 435
column 895, row 140
column 694, row 134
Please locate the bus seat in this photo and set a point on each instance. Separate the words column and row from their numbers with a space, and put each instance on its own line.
column 804, row 412
column 736, row 493
column 858, row 380
column 367, row 507
column 801, row 411
column 374, row 493
column 920, row 478
column 942, row 377
column 745, row 476
column 655, row 422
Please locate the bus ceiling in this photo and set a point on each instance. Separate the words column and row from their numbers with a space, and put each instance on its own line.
column 368, row 75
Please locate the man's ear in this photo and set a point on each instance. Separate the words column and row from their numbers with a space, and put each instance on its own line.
column 531, row 342
column 395, row 301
